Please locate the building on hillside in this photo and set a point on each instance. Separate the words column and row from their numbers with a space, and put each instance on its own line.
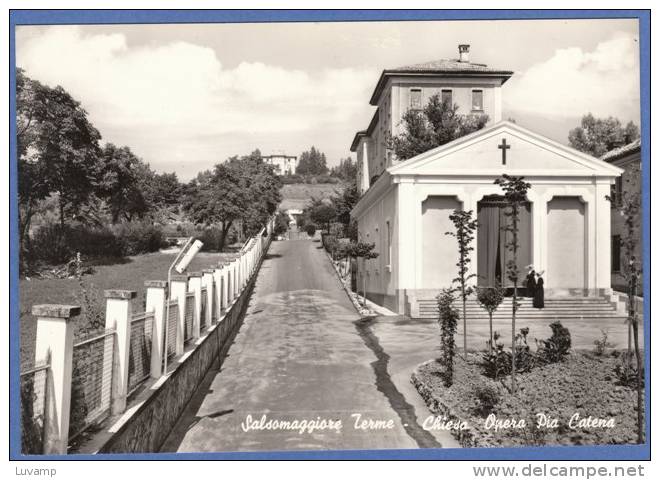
column 629, row 158
column 474, row 87
column 284, row 164
column 564, row 228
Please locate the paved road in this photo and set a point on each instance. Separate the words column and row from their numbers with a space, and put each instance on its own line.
column 303, row 354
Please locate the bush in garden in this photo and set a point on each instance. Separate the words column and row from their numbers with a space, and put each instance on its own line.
column 555, row 348
column 496, row 362
column 488, row 397
column 139, row 237
column 448, row 323
column 602, row 344
column 310, row 229
column 211, row 238
column 524, row 356
column 626, row 370
column 48, row 244
column 52, row 244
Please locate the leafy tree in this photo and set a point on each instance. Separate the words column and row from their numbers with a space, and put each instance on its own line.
column 281, row 223
column 465, row 226
column 629, row 207
column 122, row 183
column 244, row 190
column 365, row 251
column 58, row 150
column 346, row 170
column 165, row 190
column 448, row 319
column 515, row 195
column 490, row 298
column 323, row 214
column 345, row 201
column 310, row 228
column 438, row 123
column 597, row 136
column 312, row 162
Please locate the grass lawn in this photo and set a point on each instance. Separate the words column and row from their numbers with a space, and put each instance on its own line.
column 583, row 384
column 130, row 275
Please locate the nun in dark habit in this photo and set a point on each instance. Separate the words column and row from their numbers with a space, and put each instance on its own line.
column 531, row 282
column 539, row 300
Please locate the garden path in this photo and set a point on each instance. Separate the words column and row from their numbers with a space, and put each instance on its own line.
column 303, row 353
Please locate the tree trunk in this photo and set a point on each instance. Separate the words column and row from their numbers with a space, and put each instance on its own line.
column 464, row 321
column 490, row 326
column 640, row 396
column 223, row 236
column 60, row 201
column 515, row 298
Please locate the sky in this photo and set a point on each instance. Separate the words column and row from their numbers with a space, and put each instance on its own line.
column 184, row 97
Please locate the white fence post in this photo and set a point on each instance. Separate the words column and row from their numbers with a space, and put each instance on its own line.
column 55, row 344
column 207, row 281
column 156, row 298
column 218, row 277
column 179, row 288
column 195, row 285
column 118, row 313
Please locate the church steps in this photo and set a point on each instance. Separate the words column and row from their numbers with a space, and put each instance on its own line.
column 556, row 308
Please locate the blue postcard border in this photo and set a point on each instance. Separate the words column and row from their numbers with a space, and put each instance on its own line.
column 49, row 17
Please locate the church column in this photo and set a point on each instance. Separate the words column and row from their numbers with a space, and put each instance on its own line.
column 540, row 232
column 407, row 242
column 365, row 165
column 601, row 239
column 470, row 202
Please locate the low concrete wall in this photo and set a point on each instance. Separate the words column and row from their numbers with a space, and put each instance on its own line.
column 144, row 428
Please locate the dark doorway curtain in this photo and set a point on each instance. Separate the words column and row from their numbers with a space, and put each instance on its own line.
column 488, row 244
column 492, row 251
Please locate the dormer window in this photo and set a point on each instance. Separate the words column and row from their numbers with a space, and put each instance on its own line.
column 477, row 100
column 416, row 98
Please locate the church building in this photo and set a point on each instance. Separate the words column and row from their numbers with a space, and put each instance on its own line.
column 405, row 205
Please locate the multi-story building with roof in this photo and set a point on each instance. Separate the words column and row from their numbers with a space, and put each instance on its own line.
column 629, row 158
column 474, row 87
column 284, row 164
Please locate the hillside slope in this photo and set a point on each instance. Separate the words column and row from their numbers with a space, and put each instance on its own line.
column 298, row 195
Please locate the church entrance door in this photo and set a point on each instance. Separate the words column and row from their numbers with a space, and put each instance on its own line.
column 492, row 239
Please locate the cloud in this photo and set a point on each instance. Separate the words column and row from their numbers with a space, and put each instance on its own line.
column 572, row 82
column 167, row 98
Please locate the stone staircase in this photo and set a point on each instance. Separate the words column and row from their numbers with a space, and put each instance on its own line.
column 556, row 308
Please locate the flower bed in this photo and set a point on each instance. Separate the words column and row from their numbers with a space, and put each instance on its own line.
column 573, row 402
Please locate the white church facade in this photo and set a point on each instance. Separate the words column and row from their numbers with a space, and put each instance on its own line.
column 564, row 229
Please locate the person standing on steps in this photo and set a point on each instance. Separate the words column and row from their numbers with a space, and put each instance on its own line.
column 531, row 282
column 539, row 300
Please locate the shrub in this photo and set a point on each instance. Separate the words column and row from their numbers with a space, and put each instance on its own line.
column 626, row 370
column 210, row 237
column 488, row 397
column 602, row 344
column 139, row 237
column 50, row 243
column 310, row 228
column 448, row 323
column 496, row 362
column 524, row 357
column 555, row 348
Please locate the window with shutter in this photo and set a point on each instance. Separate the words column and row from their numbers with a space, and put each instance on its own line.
column 477, row 99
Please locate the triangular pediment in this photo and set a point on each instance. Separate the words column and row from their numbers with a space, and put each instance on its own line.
column 527, row 154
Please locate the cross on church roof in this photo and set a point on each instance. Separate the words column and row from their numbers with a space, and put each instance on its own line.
column 504, row 147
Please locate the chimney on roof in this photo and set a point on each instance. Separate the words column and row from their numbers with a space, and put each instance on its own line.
column 464, row 53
